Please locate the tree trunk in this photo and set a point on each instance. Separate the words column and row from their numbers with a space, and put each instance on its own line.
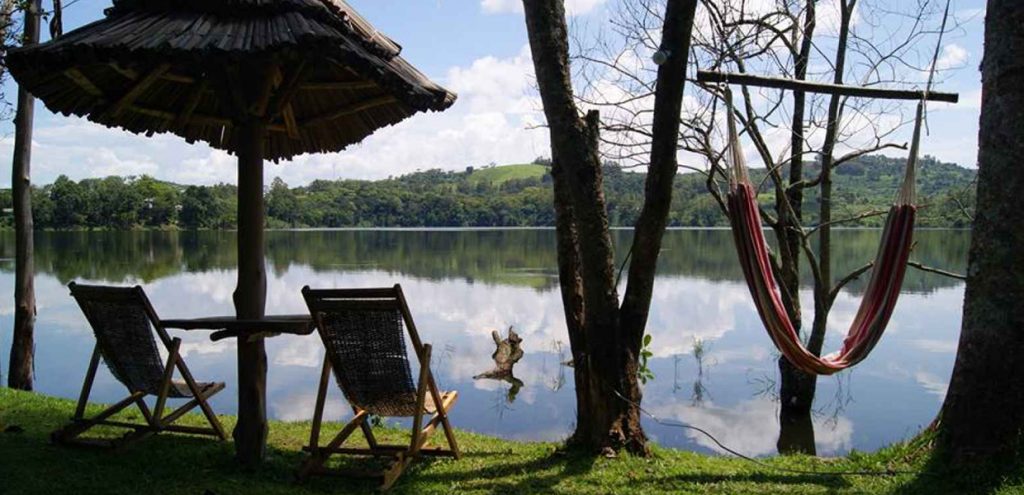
column 605, row 339
column 796, row 432
column 250, row 296
column 796, row 396
column 650, row 226
column 796, row 388
column 983, row 414
column 23, row 342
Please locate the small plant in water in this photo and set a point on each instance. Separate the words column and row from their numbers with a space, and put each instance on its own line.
column 644, row 373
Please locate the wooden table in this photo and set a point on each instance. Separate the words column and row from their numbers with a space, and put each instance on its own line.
column 231, row 326
column 252, row 380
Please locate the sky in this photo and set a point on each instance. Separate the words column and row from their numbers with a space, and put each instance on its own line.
column 476, row 48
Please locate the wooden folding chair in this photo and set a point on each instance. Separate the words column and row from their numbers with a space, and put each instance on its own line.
column 123, row 321
column 365, row 347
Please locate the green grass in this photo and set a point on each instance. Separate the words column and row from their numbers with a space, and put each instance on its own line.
column 180, row 464
column 499, row 175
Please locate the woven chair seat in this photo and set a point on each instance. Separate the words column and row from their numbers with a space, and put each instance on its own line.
column 364, row 332
column 401, row 405
column 179, row 390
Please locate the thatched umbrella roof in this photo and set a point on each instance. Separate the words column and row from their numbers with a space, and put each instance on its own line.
column 261, row 78
column 166, row 66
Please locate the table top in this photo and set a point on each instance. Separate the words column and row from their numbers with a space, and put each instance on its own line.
column 232, row 326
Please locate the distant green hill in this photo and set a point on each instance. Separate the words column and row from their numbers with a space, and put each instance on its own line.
column 494, row 196
column 498, row 175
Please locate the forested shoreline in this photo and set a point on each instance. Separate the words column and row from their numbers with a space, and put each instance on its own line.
column 493, row 196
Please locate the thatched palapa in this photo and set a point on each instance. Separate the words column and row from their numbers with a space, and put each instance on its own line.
column 260, row 78
column 152, row 66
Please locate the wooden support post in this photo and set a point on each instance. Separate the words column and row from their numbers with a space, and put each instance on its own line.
column 90, row 376
column 22, row 362
column 250, row 433
column 705, row 76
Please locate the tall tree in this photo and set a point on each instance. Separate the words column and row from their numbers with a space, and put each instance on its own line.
column 605, row 338
column 983, row 415
column 23, row 341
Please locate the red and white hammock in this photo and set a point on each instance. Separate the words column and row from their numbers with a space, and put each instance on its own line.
column 886, row 275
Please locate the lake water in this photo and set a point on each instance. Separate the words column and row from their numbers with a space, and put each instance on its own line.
column 462, row 284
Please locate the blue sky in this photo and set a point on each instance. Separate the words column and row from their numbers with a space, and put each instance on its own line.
column 477, row 48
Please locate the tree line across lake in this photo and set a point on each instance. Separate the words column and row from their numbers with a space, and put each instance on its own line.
column 494, row 196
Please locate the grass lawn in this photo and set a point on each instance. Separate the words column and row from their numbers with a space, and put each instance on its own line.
column 501, row 174
column 180, row 464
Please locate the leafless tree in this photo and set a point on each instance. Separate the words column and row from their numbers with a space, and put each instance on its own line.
column 867, row 42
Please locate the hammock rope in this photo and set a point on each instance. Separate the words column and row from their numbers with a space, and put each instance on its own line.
column 887, row 274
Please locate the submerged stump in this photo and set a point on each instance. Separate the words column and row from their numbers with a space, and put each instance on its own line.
column 507, row 353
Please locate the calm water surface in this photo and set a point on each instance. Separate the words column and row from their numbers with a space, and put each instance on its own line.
column 714, row 365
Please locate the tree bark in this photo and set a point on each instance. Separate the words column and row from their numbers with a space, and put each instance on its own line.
column 23, row 341
column 250, row 296
column 796, row 388
column 605, row 338
column 822, row 302
column 983, row 414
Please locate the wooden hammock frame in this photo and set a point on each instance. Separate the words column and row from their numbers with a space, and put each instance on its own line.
column 862, row 339
column 712, row 77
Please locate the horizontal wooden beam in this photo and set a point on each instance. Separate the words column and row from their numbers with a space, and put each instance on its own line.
column 349, row 110
column 336, row 85
column 178, row 78
column 83, row 82
column 705, row 76
column 195, row 118
column 167, row 76
column 132, row 94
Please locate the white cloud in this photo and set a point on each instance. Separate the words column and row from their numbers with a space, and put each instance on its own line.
column 572, row 7
column 953, row 56
column 934, row 345
column 933, row 384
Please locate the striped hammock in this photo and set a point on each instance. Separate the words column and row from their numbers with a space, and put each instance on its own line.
column 886, row 275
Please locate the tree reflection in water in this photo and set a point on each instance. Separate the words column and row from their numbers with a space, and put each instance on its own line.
column 699, row 390
column 556, row 378
column 483, row 277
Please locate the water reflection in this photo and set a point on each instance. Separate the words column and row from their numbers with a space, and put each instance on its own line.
column 712, row 359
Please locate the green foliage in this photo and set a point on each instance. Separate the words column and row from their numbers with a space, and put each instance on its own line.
column 497, row 176
column 282, row 203
column 644, row 372
column 506, row 196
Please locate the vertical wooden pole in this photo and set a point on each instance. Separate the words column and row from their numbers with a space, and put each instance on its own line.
column 23, row 341
column 250, row 296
